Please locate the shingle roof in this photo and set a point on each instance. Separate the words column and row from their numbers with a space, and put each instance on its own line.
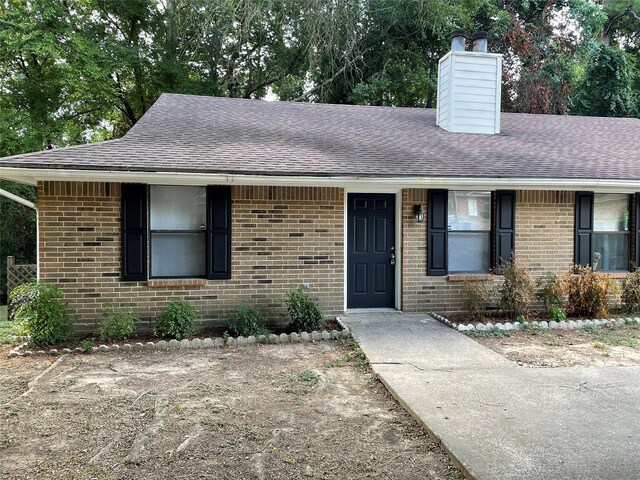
column 183, row 133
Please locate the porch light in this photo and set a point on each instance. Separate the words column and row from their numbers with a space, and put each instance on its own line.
column 417, row 211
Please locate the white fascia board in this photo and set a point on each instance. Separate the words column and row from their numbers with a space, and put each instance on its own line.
column 32, row 176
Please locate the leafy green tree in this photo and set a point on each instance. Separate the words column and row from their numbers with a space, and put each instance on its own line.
column 607, row 84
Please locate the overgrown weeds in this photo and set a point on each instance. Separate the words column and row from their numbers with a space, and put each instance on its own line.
column 631, row 292
column 477, row 296
column 517, row 291
column 587, row 292
column 489, row 333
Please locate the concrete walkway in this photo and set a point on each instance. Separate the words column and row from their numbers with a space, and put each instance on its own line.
column 502, row 421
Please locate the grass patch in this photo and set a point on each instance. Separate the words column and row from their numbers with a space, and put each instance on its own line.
column 627, row 335
column 8, row 331
column 618, row 339
column 3, row 313
column 301, row 384
column 355, row 356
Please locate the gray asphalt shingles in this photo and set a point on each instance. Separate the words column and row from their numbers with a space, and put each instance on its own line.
column 183, row 133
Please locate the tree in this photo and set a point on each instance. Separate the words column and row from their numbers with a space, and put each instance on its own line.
column 607, row 84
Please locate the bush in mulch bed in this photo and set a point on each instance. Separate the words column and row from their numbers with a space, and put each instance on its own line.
column 88, row 341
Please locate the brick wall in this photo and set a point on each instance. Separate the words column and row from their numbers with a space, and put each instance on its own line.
column 281, row 237
column 544, row 242
column 545, row 222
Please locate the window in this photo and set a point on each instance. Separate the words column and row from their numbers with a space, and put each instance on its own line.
column 469, row 226
column 611, row 237
column 469, row 231
column 178, row 231
column 603, row 226
column 189, row 232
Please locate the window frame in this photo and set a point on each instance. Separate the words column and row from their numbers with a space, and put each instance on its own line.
column 625, row 233
column 135, row 236
column 489, row 232
column 501, row 232
column 151, row 231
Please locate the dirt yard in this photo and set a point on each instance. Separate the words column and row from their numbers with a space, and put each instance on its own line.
column 262, row 412
column 593, row 346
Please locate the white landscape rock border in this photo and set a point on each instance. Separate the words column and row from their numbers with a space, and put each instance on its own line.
column 564, row 325
column 194, row 343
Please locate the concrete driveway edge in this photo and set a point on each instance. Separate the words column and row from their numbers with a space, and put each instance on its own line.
column 434, row 436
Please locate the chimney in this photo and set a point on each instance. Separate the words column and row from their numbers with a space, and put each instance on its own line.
column 458, row 40
column 479, row 42
column 469, row 87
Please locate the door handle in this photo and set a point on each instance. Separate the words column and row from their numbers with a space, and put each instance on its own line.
column 392, row 259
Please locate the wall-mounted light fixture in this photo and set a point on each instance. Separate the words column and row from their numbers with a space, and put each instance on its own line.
column 417, row 211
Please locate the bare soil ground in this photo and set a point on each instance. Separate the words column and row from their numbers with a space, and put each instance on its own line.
column 599, row 346
column 264, row 412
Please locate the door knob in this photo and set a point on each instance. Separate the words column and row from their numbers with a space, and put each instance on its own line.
column 392, row 259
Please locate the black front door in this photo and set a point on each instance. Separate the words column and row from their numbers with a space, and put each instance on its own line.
column 371, row 250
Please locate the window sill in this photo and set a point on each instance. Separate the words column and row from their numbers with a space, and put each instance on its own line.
column 177, row 282
column 470, row 277
column 615, row 275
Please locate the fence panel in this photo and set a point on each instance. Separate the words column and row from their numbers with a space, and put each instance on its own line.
column 19, row 274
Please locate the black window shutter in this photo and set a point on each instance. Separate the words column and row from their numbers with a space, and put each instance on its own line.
column 134, row 231
column 437, row 228
column 505, row 226
column 218, row 232
column 637, row 230
column 584, row 228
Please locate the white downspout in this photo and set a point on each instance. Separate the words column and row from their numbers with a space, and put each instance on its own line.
column 18, row 199
column 27, row 203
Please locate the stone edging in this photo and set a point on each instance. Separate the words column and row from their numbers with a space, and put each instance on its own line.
column 193, row 343
column 564, row 325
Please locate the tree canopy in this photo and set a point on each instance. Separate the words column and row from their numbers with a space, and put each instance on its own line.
column 74, row 71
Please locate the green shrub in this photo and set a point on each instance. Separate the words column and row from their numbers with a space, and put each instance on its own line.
column 177, row 320
column 118, row 324
column 476, row 298
column 40, row 313
column 516, row 292
column 556, row 313
column 631, row 292
column 587, row 292
column 87, row 346
column 550, row 291
column 245, row 321
column 304, row 312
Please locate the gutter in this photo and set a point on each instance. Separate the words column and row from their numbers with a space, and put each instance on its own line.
column 32, row 176
column 16, row 198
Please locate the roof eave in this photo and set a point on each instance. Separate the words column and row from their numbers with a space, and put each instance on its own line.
column 32, row 175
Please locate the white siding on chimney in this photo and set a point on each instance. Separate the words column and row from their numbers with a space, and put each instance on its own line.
column 469, row 89
column 444, row 75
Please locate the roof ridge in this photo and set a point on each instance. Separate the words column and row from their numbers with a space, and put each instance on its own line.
column 288, row 102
